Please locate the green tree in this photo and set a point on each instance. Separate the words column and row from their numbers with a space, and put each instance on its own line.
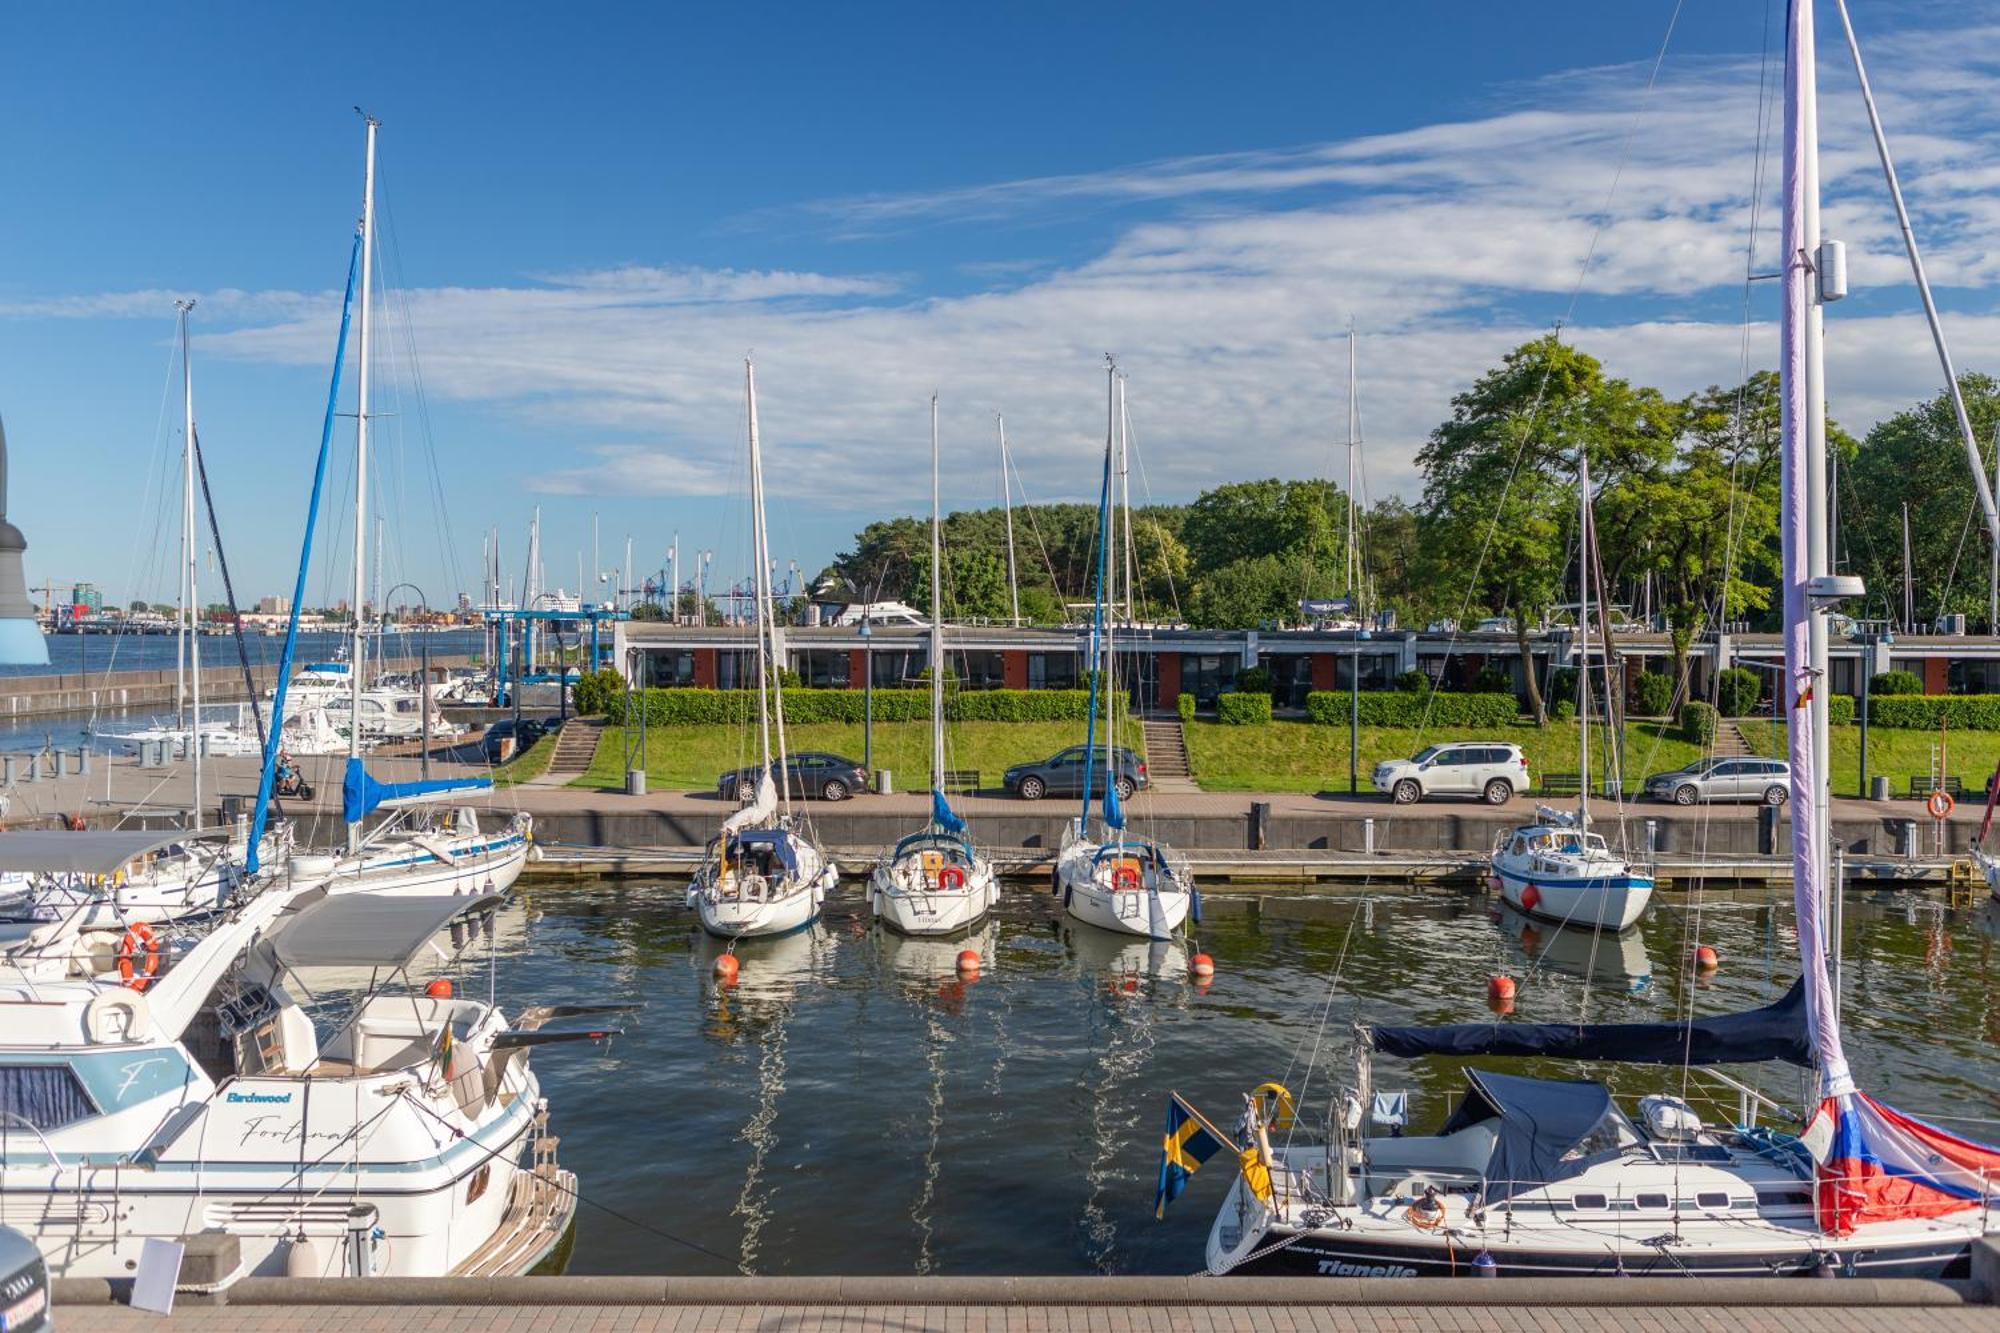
column 1262, row 590
column 648, row 611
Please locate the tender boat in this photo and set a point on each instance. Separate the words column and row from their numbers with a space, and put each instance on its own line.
column 1557, row 870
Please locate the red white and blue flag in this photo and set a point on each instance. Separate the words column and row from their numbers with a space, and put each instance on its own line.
column 1875, row 1164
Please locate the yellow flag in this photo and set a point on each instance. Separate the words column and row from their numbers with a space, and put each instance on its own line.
column 1255, row 1174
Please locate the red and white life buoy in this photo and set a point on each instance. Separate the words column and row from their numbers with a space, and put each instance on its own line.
column 951, row 878
column 1940, row 804
column 138, row 956
column 1125, row 879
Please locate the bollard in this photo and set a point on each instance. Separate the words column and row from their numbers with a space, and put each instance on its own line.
column 7, row 769
column 1368, row 835
column 33, row 772
column 1903, row 834
column 1653, row 835
column 1260, row 818
column 885, row 782
column 83, row 760
column 635, row 782
column 1767, row 830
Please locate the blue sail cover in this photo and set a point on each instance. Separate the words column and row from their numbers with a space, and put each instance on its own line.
column 1114, row 810
column 361, row 795
column 943, row 815
column 1775, row 1032
column 1541, row 1120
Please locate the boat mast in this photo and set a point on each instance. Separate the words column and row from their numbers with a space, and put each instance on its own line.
column 1125, row 493
column 767, row 680
column 191, row 552
column 1353, row 563
column 1583, row 639
column 1007, row 507
column 937, row 618
column 354, row 656
column 1117, row 444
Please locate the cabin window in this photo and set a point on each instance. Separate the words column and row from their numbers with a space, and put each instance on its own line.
column 1711, row 1199
column 1589, row 1202
column 47, row 1097
column 1652, row 1201
column 1783, row 1199
column 477, row 1185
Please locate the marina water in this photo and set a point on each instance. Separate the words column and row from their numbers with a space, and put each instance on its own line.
column 853, row 1106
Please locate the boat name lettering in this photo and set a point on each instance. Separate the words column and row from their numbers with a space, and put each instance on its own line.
column 1341, row 1268
column 279, row 1098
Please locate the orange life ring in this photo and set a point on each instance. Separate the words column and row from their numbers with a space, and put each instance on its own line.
column 76, row 824
column 1125, row 879
column 1940, row 804
column 138, row 956
column 951, row 877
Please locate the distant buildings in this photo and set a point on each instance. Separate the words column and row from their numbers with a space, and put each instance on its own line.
column 274, row 606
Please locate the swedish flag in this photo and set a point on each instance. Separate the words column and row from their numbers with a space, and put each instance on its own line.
column 1190, row 1140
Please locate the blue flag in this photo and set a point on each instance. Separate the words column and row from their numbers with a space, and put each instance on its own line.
column 943, row 815
column 1189, row 1142
column 1114, row 810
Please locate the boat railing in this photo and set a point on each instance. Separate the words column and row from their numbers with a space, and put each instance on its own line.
column 1748, row 1099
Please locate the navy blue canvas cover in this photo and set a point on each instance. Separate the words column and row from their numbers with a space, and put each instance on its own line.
column 1540, row 1120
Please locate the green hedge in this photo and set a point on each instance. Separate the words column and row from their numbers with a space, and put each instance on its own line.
column 1399, row 708
column 593, row 692
column 697, row 707
column 1655, row 693
column 1840, row 710
column 1185, row 705
column 1243, row 710
column 1927, row 712
column 1896, row 682
column 1698, row 722
column 1738, row 691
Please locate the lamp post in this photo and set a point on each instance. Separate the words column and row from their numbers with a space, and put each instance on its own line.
column 424, row 681
column 867, row 697
column 1354, row 714
column 701, row 586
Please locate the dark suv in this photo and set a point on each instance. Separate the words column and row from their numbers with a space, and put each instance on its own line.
column 1062, row 774
column 525, row 731
column 813, row 773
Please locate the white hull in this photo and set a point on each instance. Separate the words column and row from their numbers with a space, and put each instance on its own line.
column 1155, row 909
column 902, row 902
column 410, row 866
column 1569, row 877
column 737, row 905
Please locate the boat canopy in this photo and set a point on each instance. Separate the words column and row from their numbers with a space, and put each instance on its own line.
column 57, row 851
column 1777, row 1031
column 951, row 842
column 1120, row 846
column 1541, row 1121
column 361, row 795
column 367, row 929
column 778, row 840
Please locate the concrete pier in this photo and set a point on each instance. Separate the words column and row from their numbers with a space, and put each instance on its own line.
column 25, row 697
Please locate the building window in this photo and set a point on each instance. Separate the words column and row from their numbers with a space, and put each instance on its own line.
column 978, row 670
column 1054, row 671
column 736, row 669
column 667, row 670
column 1205, row 675
column 896, row 669
column 1291, row 678
column 822, row 668
column 1972, row 676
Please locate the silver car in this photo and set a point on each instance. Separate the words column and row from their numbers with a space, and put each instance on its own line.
column 1736, row 778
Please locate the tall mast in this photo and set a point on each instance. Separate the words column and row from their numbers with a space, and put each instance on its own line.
column 1116, row 443
column 1353, row 562
column 362, row 347
column 766, row 675
column 1125, row 492
column 1583, row 638
column 1803, row 510
column 1007, row 507
column 937, row 618
column 191, row 551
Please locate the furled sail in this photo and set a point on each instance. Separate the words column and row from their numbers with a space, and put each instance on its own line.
column 758, row 810
column 943, row 815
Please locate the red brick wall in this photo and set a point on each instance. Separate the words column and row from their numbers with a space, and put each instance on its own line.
column 1324, row 667
column 704, row 668
column 1937, row 675
column 857, row 668
column 1170, row 679
column 1014, row 669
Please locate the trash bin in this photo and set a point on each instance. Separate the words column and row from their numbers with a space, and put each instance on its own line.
column 885, row 784
column 1878, row 789
column 635, row 782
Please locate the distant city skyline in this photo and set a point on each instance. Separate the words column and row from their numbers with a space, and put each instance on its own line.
column 588, row 221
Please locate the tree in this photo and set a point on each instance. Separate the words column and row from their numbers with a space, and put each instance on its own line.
column 1246, row 519
column 975, row 585
column 1262, row 590
column 648, row 611
column 1500, row 477
column 139, row 606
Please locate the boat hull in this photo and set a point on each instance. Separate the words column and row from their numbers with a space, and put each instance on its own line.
column 734, row 917
column 1595, row 902
column 1155, row 909
column 488, row 863
column 933, row 912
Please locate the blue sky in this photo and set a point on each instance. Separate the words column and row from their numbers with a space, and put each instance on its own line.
column 590, row 214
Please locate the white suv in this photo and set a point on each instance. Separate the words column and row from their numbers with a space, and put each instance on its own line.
column 1486, row 769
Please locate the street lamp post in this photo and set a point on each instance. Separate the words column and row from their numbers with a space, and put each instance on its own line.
column 867, row 697
column 1354, row 714
column 424, row 682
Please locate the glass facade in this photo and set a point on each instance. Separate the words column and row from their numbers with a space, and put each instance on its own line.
column 667, row 670
column 977, row 670
column 822, row 668
column 1055, row 671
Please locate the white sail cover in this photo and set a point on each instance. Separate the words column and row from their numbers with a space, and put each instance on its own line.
column 758, row 810
column 1809, row 849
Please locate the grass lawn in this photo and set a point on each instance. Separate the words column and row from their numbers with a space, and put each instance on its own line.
column 685, row 758
column 530, row 763
column 1894, row 754
column 1302, row 756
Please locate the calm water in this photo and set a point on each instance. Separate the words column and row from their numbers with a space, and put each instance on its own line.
column 851, row 1107
column 94, row 654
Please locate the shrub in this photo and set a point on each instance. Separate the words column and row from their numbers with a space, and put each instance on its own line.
column 696, row 707
column 1738, row 691
column 1243, row 709
column 1840, row 710
column 1562, row 684
column 1414, row 682
column 1396, row 708
column 592, row 694
column 1492, row 680
column 1185, row 705
column 1655, row 693
column 1927, row 712
column 1896, row 682
column 1564, row 710
column 1698, row 722
column 1254, row 680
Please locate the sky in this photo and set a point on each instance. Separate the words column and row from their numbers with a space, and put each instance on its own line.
column 590, row 215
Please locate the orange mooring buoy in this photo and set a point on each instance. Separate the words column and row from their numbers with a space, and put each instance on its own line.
column 439, row 989
column 1706, row 959
column 968, row 960
column 726, row 967
column 1203, row 965
column 1500, row 995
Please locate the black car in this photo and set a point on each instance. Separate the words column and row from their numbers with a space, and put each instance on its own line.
column 525, row 731
column 813, row 773
column 1062, row 774
column 24, row 1284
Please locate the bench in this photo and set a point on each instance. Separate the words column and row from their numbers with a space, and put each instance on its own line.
column 1559, row 784
column 1923, row 784
column 961, row 779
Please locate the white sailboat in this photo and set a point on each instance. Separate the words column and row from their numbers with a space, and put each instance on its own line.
column 764, row 873
column 1537, row 1178
column 1107, row 877
column 1556, row 868
column 935, row 882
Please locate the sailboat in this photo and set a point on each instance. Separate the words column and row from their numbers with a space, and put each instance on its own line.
column 1108, row 877
column 763, row 873
column 934, row 882
column 418, row 848
column 1541, row 1178
column 1556, row 868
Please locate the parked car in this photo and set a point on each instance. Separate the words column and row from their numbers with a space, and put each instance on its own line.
column 1724, row 779
column 525, row 731
column 24, row 1284
column 812, row 773
column 1486, row 769
column 1062, row 774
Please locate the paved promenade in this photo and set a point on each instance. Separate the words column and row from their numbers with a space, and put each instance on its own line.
column 1032, row 1319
